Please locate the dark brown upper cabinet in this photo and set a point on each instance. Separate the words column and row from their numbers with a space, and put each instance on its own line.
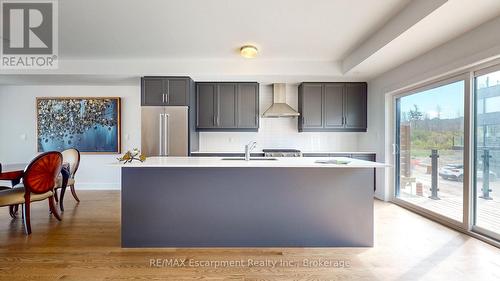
column 311, row 108
column 247, row 99
column 355, row 106
column 205, row 105
column 224, row 106
column 332, row 107
column 159, row 91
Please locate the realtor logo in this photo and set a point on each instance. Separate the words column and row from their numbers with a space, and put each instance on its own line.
column 29, row 34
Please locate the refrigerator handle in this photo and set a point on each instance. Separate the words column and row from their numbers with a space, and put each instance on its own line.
column 160, row 134
column 167, row 134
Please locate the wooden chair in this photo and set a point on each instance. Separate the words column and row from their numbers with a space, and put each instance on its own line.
column 38, row 184
column 72, row 157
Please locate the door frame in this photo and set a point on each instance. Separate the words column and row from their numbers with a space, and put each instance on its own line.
column 472, row 70
column 464, row 224
column 474, row 188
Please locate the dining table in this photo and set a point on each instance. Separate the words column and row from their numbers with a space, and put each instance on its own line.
column 15, row 172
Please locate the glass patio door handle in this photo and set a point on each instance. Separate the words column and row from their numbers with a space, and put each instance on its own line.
column 394, row 149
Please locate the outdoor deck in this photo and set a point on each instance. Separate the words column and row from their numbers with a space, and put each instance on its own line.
column 450, row 203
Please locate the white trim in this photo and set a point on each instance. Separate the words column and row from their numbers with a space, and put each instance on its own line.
column 391, row 175
column 468, row 156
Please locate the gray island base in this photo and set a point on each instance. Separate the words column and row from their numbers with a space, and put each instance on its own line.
column 247, row 207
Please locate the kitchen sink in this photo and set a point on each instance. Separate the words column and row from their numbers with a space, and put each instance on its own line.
column 251, row 159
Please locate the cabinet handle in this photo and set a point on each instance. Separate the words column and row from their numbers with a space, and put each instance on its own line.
column 163, row 97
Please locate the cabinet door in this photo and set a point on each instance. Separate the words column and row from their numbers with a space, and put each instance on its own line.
column 153, row 91
column 205, row 105
column 248, row 105
column 312, row 109
column 334, row 105
column 355, row 106
column 177, row 91
column 226, row 105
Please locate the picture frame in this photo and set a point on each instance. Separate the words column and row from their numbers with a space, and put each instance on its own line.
column 90, row 124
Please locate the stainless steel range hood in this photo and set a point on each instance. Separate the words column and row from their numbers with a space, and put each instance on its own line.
column 280, row 108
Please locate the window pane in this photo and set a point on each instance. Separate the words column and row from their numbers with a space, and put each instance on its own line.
column 487, row 151
column 432, row 121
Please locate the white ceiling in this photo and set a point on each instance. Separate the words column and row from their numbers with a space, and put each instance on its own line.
column 452, row 19
column 299, row 40
column 282, row 29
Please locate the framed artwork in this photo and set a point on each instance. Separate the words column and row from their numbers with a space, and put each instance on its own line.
column 89, row 124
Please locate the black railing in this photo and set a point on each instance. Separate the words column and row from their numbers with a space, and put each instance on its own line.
column 485, row 189
column 486, row 175
column 434, row 174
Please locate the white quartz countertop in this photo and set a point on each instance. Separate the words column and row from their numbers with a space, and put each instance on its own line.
column 257, row 151
column 297, row 162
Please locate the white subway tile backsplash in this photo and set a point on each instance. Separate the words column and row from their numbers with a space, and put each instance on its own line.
column 279, row 132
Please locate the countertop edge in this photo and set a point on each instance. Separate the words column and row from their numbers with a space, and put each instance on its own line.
column 217, row 162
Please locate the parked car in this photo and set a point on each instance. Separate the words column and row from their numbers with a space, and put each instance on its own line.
column 456, row 172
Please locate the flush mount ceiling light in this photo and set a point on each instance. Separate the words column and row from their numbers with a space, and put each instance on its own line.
column 249, row 51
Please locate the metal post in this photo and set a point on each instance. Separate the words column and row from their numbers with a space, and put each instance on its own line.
column 434, row 165
column 486, row 175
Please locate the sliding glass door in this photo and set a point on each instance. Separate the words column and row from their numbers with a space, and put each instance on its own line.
column 487, row 152
column 447, row 150
column 430, row 148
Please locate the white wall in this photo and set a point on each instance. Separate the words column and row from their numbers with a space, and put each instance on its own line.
column 279, row 132
column 474, row 47
column 18, row 132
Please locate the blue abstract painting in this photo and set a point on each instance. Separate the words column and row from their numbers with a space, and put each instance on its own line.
column 90, row 125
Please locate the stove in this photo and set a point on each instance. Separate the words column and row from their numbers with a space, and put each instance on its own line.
column 277, row 152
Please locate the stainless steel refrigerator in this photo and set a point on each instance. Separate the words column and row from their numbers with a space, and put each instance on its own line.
column 165, row 130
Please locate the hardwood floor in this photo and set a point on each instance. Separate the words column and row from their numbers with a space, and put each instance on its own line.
column 86, row 246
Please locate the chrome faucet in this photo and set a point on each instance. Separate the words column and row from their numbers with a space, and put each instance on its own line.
column 248, row 148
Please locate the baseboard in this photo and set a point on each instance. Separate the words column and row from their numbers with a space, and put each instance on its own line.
column 97, row 186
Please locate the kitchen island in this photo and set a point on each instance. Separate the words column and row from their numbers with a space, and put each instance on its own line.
column 222, row 202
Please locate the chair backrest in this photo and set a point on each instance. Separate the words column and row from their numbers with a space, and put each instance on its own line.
column 40, row 175
column 72, row 157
